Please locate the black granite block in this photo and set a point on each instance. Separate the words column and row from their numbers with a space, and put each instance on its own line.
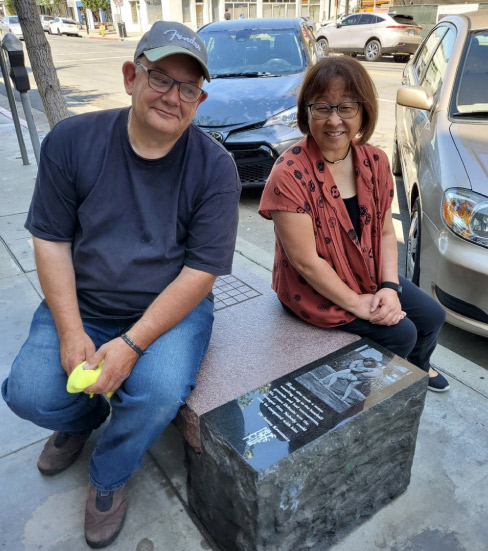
column 298, row 463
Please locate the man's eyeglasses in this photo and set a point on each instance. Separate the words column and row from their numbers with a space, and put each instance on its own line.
column 163, row 83
column 346, row 109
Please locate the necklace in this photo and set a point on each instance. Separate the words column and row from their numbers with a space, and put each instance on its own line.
column 338, row 160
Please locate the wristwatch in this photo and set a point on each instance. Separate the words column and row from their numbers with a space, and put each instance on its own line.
column 392, row 285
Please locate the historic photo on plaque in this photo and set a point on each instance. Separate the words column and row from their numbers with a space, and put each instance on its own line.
column 274, row 420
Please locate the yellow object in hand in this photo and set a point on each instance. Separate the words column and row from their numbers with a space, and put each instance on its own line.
column 82, row 378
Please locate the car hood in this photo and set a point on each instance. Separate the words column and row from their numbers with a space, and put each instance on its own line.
column 246, row 101
column 472, row 143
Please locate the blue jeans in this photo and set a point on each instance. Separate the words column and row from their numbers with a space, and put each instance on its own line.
column 142, row 407
column 415, row 336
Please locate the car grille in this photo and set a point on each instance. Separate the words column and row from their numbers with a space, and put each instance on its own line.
column 254, row 163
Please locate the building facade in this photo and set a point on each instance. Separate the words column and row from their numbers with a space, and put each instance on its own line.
column 139, row 15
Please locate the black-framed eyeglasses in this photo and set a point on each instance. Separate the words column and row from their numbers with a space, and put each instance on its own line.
column 162, row 83
column 323, row 110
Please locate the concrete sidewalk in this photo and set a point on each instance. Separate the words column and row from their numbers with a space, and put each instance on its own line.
column 444, row 508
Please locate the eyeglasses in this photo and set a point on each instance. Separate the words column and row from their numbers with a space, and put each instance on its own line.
column 163, row 83
column 346, row 109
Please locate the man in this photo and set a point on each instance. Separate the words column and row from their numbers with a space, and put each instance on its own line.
column 134, row 214
column 227, row 14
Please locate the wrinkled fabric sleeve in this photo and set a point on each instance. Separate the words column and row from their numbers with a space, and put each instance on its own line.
column 283, row 191
column 213, row 230
column 52, row 213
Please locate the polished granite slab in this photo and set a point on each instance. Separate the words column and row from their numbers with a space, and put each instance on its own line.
column 297, row 463
column 272, row 421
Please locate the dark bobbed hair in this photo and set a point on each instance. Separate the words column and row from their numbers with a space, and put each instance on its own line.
column 358, row 83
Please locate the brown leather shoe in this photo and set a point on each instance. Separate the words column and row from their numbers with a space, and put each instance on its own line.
column 104, row 516
column 60, row 451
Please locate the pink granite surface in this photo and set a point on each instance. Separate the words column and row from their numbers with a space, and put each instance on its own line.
column 253, row 343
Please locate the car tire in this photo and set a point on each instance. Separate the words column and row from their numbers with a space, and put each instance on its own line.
column 59, row 32
column 401, row 58
column 413, row 244
column 372, row 50
column 49, row 31
column 322, row 42
column 396, row 165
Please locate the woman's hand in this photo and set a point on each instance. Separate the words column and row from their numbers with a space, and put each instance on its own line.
column 365, row 307
column 386, row 308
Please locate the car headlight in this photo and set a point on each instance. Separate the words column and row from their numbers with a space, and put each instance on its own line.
column 466, row 214
column 287, row 117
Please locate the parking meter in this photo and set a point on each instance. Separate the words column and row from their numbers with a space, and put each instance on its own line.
column 18, row 73
column 15, row 52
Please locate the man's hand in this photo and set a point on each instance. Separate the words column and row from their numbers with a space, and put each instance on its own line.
column 74, row 347
column 119, row 362
column 386, row 308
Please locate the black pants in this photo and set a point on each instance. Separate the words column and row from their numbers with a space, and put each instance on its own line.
column 414, row 337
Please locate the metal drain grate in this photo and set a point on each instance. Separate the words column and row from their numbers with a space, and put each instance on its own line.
column 228, row 290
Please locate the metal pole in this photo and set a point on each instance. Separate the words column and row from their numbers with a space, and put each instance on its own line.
column 26, row 104
column 13, row 109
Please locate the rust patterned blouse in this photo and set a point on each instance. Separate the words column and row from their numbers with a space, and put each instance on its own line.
column 301, row 182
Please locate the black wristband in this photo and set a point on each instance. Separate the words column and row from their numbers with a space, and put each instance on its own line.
column 132, row 344
column 392, row 285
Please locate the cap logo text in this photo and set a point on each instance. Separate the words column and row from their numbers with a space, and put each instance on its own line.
column 178, row 36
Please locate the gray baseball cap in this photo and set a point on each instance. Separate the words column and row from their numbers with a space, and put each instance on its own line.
column 166, row 38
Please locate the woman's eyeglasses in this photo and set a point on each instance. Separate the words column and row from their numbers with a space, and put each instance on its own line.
column 162, row 83
column 346, row 109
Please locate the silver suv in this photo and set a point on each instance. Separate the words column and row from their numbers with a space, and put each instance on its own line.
column 372, row 34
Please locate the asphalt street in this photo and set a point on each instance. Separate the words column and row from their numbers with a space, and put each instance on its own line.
column 90, row 76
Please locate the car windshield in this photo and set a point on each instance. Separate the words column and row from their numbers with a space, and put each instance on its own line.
column 13, row 20
column 471, row 90
column 253, row 53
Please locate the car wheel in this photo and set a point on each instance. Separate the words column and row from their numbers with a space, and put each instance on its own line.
column 324, row 45
column 400, row 58
column 372, row 51
column 396, row 165
column 49, row 31
column 413, row 244
column 59, row 32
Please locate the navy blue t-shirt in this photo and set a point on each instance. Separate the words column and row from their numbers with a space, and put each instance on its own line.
column 133, row 222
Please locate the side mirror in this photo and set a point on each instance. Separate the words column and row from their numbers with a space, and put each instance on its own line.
column 18, row 73
column 415, row 97
column 339, row 25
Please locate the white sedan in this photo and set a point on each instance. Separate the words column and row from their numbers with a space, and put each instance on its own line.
column 10, row 24
column 63, row 25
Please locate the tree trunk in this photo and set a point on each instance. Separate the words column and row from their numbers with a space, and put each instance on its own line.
column 41, row 61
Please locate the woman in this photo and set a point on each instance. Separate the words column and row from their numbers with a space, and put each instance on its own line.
column 330, row 199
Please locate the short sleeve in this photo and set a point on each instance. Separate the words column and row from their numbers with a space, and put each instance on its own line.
column 213, row 228
column 284, row 190
column 52, row 213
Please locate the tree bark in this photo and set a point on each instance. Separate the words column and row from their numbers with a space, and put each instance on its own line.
column 41, row 62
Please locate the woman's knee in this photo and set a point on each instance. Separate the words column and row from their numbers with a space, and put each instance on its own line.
column 401, row 338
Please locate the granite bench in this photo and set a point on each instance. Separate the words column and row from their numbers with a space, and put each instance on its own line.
column 294, row 435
